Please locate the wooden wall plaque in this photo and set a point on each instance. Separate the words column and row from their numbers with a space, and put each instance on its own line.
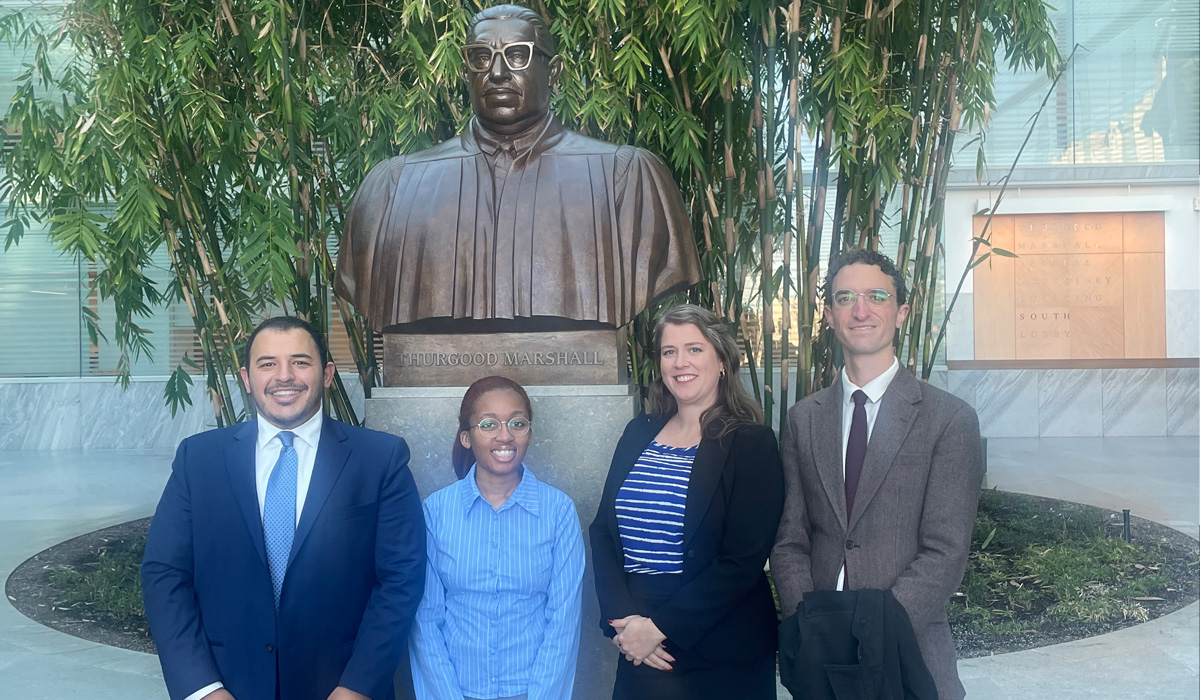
column 1083, row 287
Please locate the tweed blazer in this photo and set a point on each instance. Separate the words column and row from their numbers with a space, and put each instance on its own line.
column 914, row 510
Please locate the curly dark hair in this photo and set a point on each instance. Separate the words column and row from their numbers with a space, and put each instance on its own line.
column 862, row 256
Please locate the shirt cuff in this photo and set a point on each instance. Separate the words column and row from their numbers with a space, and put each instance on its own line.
column 205, row 691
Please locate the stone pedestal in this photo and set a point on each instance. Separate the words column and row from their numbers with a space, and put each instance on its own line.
column 575, row 430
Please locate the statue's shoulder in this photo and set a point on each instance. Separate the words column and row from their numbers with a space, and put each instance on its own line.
column 384, row 168
column 390, row 169
column 456, row 147
column 574, row 143
column 380, row 179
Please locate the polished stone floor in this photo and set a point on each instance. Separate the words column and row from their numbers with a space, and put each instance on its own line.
column 48, row 497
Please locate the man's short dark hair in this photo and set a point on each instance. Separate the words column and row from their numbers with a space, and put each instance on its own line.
column 542, row 38
column 287, row 323
column 862, row 256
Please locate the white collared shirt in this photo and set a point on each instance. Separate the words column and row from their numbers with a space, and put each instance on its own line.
column 266, row 453
column 874, row 390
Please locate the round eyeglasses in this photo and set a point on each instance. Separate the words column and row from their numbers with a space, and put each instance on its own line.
column 517, row 56
column 516, row 426
column 845, row 298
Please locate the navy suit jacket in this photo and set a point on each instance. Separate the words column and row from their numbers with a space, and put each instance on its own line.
column 354, row 578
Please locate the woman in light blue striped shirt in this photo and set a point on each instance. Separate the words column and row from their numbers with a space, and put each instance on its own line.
column 501, row 612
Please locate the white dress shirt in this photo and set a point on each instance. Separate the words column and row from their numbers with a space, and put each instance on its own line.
column 874, row 390
column 266, row 453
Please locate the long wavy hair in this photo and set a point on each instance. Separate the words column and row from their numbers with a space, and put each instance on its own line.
column 461, row 457
column 734, row 407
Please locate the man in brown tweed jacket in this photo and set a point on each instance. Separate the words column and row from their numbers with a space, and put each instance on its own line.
column 882, row 471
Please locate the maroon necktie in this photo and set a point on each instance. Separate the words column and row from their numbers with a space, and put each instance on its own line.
column 856, row 449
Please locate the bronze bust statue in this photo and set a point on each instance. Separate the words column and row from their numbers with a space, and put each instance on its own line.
column 517, row 222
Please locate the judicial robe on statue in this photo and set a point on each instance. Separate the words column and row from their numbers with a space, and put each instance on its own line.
column 549, row 223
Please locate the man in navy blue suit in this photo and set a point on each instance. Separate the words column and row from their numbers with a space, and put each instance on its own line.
column 287, row 555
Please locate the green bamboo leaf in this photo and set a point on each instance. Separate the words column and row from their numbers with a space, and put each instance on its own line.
column 16, row 229
column 178, row 388
column 978, row 261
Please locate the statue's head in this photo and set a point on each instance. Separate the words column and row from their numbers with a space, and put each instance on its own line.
column 510, row 65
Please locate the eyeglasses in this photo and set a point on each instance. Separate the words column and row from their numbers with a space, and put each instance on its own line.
column 517, row 56
column 845, row 298
column 516, row 426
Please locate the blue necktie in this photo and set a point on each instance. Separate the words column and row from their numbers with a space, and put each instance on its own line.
column 279, row 512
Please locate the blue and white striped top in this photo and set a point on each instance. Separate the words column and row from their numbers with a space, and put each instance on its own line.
column 501, row 612
column 650, row 507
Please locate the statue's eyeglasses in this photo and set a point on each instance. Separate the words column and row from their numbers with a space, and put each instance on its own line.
column 516, row 426
column 845, row 298
column 517, row 56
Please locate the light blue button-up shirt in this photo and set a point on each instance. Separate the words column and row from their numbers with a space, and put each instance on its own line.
column 501, row 611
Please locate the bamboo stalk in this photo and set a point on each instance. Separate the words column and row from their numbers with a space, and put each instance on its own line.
column 766, row 210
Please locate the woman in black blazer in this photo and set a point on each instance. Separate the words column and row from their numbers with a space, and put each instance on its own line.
column 686, row 521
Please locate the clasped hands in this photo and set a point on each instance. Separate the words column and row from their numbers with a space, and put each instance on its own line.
column 339, row 693
column 640, row 640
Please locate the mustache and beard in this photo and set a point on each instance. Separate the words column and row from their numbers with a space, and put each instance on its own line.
column 288, row 415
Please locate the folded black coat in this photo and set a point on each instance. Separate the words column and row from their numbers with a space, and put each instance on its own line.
column 852, row 645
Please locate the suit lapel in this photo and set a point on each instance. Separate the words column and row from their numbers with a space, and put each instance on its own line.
column 647, row 428
column 332, row 453
column 827, row 446
column 706, row 474
column 897, row 411
column 239, row 463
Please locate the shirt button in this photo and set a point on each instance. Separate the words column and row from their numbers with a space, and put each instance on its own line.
column 270, row 648
column 691, row 553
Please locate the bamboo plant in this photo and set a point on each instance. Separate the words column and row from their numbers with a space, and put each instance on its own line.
column 232, row 134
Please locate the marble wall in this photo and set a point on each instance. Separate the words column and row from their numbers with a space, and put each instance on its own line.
column 1082, row 402
column 1183, row 323
column 44, row 414
column 960, row 331
column 97, row 414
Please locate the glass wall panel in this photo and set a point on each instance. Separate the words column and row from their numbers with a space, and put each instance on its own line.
column 1018, row 96
column 1131, row 94
column 104, row 358
column 40, row 322
column 1134, row 87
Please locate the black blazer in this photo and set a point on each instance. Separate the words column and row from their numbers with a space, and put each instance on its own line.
column 723, row 609
column 852, row 645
